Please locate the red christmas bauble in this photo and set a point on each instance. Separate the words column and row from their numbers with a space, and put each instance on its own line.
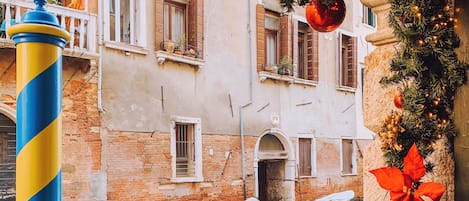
column 325, row 15
column 399, row 100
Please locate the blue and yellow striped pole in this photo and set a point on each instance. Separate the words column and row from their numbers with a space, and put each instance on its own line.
column 39, row 42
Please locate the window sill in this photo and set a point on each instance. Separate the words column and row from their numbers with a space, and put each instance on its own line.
column 308, row 177
column 187, row 180
column 346, row 89
column 306, row 82
column 163, row 56
column 349, row 174
column 127, row 48
column 264, row 75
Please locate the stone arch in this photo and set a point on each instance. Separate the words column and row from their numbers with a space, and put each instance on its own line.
column 284, row 153
column 8, row 111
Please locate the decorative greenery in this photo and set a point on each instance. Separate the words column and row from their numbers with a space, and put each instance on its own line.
column 289, row 4
column 285, row 65
column 429, row 71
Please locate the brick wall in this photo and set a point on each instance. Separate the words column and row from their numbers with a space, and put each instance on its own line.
column 139, row 168
column 81, row 140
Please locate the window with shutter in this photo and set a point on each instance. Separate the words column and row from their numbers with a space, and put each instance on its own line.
column 272, row 26
column 305, row 157
column 347, row 61
column 181, row 22
column 348, row 158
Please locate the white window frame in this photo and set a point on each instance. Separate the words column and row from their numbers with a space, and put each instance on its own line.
column 341, row 86
column 313, row 155
column 354, row 158
column 365, row 17
column 137, row 23
column 197, row 149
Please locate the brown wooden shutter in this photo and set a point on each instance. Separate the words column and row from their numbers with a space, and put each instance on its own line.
column 354, row 61
column 159, row 24
column 305, row 156
column 312, row 60
column 347, row 151
column 195, row 26
column 351, row 62
column 286, row 37
column 260, row 34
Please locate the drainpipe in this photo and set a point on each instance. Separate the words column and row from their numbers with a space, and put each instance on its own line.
column 241, row 108
column 100, row 59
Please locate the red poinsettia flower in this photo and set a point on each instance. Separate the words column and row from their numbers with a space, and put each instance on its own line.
column 403, row 185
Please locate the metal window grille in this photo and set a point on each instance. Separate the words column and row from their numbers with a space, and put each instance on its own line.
column 185, row 150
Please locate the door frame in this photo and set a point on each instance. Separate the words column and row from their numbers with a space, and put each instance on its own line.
column 290, row 163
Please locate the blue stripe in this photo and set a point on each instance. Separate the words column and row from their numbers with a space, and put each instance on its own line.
column 52, row 192
column 38, row 104
column 38, row 37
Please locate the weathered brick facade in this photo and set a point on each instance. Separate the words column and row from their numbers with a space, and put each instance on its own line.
column 81, row 123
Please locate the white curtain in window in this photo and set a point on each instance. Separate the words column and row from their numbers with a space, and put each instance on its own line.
column 178, row 24
column 271, row 51
column 166, row 23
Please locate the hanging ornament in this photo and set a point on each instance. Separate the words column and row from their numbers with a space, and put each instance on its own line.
column 325, row 15
column 398, row 100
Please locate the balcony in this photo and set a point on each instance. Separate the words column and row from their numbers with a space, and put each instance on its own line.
column 81, row 24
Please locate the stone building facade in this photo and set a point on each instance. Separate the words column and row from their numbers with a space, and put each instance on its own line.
column 220, row 122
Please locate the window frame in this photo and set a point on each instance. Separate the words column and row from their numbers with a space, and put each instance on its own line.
column 272, row 32
column 196, row 122
column 353, row 157
column 183, row 6
column 366, row 17
column 340, row 63
column 137, row 22
column 313, row 155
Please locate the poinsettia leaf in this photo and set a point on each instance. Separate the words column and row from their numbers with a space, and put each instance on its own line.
column 430, row 189
column 390, row 179
column 413, row 164
column 400, row 196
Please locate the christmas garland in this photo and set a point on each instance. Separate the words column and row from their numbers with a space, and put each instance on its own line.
column 428, row 72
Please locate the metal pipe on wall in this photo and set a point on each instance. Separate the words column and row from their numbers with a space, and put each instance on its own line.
column 241, row 108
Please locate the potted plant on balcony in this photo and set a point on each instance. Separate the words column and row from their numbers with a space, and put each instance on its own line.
column 168, row 46
column 285, row 66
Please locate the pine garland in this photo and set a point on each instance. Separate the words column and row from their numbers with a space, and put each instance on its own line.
column 427, row 68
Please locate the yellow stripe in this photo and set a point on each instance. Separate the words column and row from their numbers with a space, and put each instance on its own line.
column 38, row 28
column 32, row 59
column 39, row 161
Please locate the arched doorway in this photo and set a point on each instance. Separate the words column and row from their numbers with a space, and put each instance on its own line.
column 274, row 167
column 7, row 155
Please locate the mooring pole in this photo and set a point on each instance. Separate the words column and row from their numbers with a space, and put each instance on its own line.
column 39, row 41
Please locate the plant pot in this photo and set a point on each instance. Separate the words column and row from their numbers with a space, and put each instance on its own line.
column 283, row 71
column 169, row 46
column 272, row 69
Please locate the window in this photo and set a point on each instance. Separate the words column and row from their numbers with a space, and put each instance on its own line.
column 180, row 21
column 348, row 159
column 126, row 22
column 307, row 48
column 369, row 16
column 174, row 22
column 272, row 24
column 347, row 61
column 186, row 149
column 307, row 156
